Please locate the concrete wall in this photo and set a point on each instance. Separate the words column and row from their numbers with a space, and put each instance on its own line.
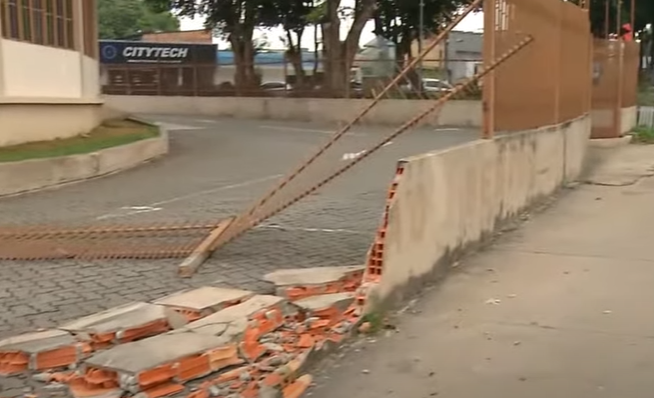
column 46, row 93
column 447, row 201
column 31, row 175
column 31, row 70
column 395, row 112
column 629, row 119
column 43, row 120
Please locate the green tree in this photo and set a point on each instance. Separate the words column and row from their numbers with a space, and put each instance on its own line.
column 399, row 21
column 233, row 20
column 338, row 55
column 295, row 18
column 120, row 19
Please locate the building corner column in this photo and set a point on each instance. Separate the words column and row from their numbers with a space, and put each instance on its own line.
column 2, row 60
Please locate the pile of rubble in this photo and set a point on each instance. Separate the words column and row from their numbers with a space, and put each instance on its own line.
column 201, row 343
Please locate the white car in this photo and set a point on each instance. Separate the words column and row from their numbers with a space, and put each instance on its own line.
column 430, row 86
column 436, row 86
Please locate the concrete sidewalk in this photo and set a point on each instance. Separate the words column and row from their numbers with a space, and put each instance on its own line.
column 561, row 308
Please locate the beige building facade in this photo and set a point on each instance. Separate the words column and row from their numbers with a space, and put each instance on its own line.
column 49, row 72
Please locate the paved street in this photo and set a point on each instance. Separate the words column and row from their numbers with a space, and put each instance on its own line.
column 216, row 167
column 559, row 308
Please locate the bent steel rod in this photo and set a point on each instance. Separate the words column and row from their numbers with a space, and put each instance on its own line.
column 223, row 239
column 474, row 5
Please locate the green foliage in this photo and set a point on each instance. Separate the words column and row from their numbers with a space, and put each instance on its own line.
column 120, row 19
column 110, row 134
column 399, row 20
column 643, row 135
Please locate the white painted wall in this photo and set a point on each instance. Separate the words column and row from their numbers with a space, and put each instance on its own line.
column 35, row 71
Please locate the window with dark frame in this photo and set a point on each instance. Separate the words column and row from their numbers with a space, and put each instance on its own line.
column 44, row 22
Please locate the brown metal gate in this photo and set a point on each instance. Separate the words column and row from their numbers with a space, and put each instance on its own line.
column 615, row 85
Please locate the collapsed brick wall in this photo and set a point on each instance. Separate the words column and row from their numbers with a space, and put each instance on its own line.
column 207, row 342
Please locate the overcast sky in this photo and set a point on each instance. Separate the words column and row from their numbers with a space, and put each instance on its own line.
column 473, row 22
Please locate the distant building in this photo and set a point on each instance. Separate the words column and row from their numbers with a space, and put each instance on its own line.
column 201, row 36
column 464, row 52
column 458, row 55
column 155, row 68
column 376, row 58
column 48, row 70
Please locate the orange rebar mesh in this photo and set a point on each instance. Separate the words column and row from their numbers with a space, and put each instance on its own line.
column 101, row 241
column 549, row 82
column 329, row 162
column 630, row 74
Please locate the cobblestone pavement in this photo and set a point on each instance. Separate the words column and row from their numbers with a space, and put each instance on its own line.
column 215, row 168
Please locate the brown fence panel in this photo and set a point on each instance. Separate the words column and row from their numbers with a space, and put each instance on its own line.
column 550, row 81
column 575, row 71
column 606, row 98
column 630, row 74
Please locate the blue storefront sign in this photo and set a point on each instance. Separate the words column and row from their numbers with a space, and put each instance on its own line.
column 134, row 52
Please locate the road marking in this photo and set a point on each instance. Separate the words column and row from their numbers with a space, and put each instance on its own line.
column 354, row 155
column 303, row 130
column 130, row 211
column 218, row 189
column 448, row 129
column 326, row 230
column 133, row 210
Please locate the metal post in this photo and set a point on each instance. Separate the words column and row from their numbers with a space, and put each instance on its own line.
column 421, row 28
column 606, row 19
column 618, row 105
column 633, row 17
column 488, row 103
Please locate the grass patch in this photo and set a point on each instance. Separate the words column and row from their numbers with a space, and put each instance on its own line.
column 646, row 96
column 643, row 135
column 110, row 134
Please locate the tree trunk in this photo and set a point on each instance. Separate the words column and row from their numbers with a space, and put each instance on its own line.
column 340, row 55
column 316, row 54
column 294, row 56
column 245, row 78
column 331, row 47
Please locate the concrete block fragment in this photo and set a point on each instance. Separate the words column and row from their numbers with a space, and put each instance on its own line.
column 296, row 284
column 313, row 306
column 122, row 324
column 145, row 364
column 234, row 320
column 39, row 351
column 198, row 303
column 312, row 276
column 297, row 388
column 33, row 343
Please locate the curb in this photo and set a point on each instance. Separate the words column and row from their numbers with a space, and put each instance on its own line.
column 40, row 174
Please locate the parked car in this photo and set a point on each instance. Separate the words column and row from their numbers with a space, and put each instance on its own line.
column 276, row 88
column 437, row 86
column 356, row 89
column 429, row 86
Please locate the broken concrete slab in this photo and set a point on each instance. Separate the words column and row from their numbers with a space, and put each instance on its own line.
column 162, row 358
column 204, row 301
column 316, row 304
column 38, row 342
column 121, row 324
column 312, row 276
column 296, row 284
column 39, row 351
column 235, row 317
